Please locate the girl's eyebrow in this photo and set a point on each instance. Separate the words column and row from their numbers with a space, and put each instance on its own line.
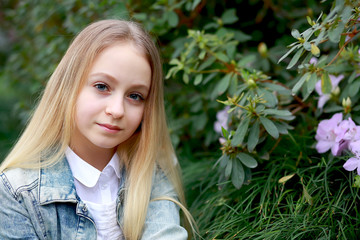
column 112, row 79
column 107, row 76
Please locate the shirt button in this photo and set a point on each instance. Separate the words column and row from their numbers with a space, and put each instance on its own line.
column 103, row 187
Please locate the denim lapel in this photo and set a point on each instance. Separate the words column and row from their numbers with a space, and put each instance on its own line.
column 57, row 184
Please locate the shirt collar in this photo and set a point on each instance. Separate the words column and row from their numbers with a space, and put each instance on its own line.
column 56, row 183
column 87, row 174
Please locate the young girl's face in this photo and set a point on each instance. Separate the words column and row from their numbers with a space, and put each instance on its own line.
column 110, row 105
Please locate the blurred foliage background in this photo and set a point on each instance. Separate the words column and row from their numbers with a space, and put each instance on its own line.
column 35, row 34
column 317, row 202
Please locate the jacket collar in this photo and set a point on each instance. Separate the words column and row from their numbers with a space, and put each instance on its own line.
column 56, row 183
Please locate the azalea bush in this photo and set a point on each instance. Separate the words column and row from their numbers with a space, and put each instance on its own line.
column 330, row 65
column 260, row 107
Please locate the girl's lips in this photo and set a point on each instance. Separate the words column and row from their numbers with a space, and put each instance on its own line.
column 110, row 128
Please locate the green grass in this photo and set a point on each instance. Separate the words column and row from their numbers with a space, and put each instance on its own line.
column 318, row 202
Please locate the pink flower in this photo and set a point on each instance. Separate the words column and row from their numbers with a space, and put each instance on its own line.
column 222, row 120
column 347, row 130
column 313, row 60
column 222, row 140
column 326, row 136
column 354, row 147
column 353, row 163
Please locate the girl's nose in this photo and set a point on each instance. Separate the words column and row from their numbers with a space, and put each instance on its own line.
column 115, row 107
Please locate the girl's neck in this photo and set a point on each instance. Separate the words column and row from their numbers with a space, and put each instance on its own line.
column 98, row 158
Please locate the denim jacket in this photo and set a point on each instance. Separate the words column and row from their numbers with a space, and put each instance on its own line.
column 43, row 204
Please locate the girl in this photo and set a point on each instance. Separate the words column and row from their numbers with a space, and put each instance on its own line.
column 96, row 161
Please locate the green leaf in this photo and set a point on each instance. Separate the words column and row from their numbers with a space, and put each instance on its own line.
column 271, row 100
column 354, row 89
column 353, row 76
column 269, row 127
column 173, row 19
column 229, row 16
column 357, row 181
column 222, row 57
column 225, row 133
column 282, row 127
column 307, row 46
column 228, row 168
column 198, row 79
column 247, row 160
column 277, row 112
column 240, row 132
column 208, row 62
column 253, row 136
column 172, row 72
column 320, row 37
column 223, row 84
column 287, row 118
column 309, row 20
column 222, row 161
column 202, row 55
column 346, row 13
column 186, row 78
column 326, row 85
column 299, row 84
column 175, row 61
column 194, row 4
column 342, row 41
column 295, row 33
column 335, row 34
column 246, row 60
column 288, row 52
column 277, row 87
column 238, row 174
column 310, row 85
column 295, row 59
column 241, row 36
column 260, row 108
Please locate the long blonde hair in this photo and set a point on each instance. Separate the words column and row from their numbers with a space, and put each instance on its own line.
column 48, row 132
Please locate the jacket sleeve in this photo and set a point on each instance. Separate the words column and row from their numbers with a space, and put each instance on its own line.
column 14, row 218
column 162, row 219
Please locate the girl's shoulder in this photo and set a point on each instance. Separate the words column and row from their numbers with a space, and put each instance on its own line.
column 16, row 180
column 161, row 185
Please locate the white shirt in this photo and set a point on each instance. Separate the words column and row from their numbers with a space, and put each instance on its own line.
column 99, row 191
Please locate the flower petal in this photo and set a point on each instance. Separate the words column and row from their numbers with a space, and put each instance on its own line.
column 354, row 147
column 335, row 80
column 322, row 100
column 335, row 149
column 323, row 146
column 351, row 164
column 337, row 118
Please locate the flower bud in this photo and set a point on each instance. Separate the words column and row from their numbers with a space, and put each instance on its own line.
column 251, row 83
column 346, row 102
column 315, row 50
column 262, row 49
column 336, row 91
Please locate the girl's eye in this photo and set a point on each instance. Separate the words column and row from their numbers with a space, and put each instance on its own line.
column 136, row 96
column 101, row 87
